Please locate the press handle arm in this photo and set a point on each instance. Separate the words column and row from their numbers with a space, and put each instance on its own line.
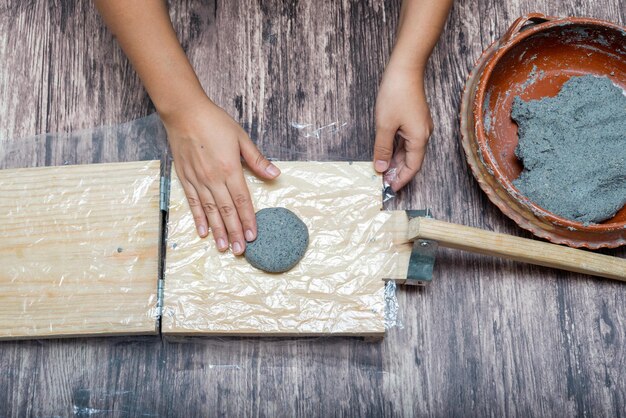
column 530, row 251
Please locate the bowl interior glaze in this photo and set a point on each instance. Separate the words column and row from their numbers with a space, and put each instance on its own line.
column 537, row 66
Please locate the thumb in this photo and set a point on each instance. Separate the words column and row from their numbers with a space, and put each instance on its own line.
column 256, row 161
column 383, row 148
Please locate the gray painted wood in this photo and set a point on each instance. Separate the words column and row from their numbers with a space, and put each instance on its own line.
column 487, row 338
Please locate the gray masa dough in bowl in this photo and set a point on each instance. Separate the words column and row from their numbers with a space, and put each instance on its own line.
column 282, row 239
column 573, row 147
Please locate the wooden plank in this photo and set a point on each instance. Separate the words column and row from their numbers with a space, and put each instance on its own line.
column 79, row 250
column 337, row 288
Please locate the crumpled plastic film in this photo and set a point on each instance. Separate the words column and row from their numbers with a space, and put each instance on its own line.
column 336, row 288
column 79, row 250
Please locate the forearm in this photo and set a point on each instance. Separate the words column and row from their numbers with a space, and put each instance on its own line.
column 421, row 22
column 206, row 143
column 145, row 33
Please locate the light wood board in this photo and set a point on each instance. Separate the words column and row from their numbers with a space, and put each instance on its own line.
column 79, row 250
column 336, row 289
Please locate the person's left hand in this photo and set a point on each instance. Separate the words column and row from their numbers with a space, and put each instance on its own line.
column 402, row 111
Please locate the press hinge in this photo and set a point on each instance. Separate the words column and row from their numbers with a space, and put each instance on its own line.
column 160, row 298
column 165, row 193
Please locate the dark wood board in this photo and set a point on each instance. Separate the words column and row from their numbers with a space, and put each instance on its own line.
column 488, row 337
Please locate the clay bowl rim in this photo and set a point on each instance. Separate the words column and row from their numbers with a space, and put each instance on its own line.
column 485, row 149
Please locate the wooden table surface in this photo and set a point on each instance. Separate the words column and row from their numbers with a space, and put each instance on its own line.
column 488, row 337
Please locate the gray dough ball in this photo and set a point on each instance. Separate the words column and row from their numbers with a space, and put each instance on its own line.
column 282, row 239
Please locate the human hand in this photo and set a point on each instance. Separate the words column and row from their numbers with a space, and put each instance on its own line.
column 402, row 112
column 207, row 146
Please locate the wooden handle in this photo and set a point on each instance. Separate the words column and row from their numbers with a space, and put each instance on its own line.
column 519, row 249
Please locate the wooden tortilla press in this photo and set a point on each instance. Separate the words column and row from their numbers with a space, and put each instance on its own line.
column 427, row 234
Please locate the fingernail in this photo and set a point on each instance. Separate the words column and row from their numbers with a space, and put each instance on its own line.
column 202, row 231
column 272, row 170
column 380, row 165
column 236, row 247
column 249, row 235
column 221, row 244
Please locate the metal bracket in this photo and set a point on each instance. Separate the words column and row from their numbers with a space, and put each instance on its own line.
column 160, row 298
column 164, row 198
column 422, row 260
column 164, row 201
column 422, row 213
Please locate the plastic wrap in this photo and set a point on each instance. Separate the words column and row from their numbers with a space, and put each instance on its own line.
column 137, row 140
column 337, row 288
column 79, row 244
column 309, row 130
column 79, row 250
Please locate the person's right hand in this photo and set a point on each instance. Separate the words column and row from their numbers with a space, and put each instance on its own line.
column 207, row 146
column 402, row 112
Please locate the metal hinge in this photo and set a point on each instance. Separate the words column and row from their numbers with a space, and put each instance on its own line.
column 160, row 298
column 165, row 193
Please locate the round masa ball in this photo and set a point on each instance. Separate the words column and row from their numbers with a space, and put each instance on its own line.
column 282, row 239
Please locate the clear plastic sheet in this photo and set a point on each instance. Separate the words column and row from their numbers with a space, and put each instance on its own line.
column 81, row 208
column 87, row 364
column 137, row 140
column 79, row 250
column 336, row 289
column 79, row 244
column 309, row 130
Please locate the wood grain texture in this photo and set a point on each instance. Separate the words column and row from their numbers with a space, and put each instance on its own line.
column 79, row 249
column 487, row 338
column 479, row 241
column 337, row 287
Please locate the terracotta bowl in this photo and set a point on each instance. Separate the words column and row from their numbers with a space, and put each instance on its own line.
column 536, row 56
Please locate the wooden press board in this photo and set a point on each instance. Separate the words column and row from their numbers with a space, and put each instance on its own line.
column 79, row 248
column 336, row 289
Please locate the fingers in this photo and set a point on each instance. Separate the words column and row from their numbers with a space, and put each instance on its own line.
column 227, row 207
column 240, row 195
column 256, row 161
column 413, row 153
column 211, row 211
column 230, row 217
column 219, row 199
column 195, row 205
column 383, row 147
